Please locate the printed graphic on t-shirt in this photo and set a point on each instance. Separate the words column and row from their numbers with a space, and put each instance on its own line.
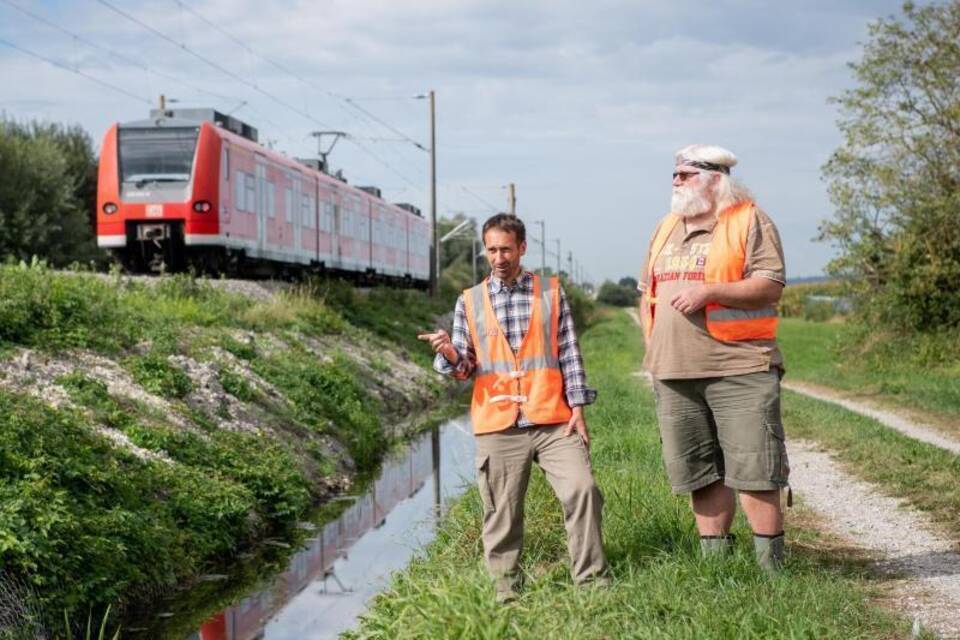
column 678, row 262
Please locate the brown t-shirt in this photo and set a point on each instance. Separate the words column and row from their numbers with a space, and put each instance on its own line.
column 680, row 346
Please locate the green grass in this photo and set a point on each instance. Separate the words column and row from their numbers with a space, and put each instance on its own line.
column 662, row 589
column 908, row 373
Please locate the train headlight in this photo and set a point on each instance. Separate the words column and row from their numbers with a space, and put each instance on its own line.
column 202, row 206
column 109, row 208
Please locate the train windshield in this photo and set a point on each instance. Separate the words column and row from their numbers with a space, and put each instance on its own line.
column 157, row 155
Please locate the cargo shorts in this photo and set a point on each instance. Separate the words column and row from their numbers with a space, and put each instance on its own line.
column 725, row 428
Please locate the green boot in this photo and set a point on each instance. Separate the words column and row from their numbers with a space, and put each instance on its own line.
column 769, row 550
column 506, row 588
column 716, row 546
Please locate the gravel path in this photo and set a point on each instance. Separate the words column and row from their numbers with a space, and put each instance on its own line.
column 886, row 418
column 901, row 539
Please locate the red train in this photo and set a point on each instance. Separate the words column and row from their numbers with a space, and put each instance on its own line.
column 193, row 188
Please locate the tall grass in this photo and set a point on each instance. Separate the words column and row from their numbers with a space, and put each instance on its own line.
column 662, row 588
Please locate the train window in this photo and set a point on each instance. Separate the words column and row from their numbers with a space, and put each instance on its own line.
column 271, row 200
column 326, row 221
column 306, row 211
column 239, row 193
column 288, row 205
column 157, row 155
column 225, row 162
column 251, row 188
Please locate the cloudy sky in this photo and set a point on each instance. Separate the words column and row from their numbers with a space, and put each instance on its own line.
column 580, row 104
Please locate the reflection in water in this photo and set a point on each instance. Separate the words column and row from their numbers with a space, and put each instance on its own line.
column 328, row 582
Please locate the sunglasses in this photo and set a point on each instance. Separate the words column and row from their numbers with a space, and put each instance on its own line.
column 684, row 175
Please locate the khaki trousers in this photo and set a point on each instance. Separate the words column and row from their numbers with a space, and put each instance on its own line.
column 503, row 472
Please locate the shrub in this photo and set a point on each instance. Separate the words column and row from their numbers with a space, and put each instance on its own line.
column 617, row 295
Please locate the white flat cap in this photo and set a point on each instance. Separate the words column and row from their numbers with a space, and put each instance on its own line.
column 707, row 156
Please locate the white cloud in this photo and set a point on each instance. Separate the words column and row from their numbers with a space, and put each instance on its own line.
column 581, row 105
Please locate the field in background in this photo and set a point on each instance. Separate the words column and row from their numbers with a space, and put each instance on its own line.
column 921, row 372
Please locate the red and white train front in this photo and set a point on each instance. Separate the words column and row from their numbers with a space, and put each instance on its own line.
column 151, row 197
column 200, row 191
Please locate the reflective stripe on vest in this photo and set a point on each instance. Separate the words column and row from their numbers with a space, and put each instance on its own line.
column 506, row 381
column 725, row 262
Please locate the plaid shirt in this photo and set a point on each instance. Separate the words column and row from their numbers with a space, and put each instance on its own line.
column 513, row 307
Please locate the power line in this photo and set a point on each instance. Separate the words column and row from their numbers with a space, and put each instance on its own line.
column 297, row 76
column 211, row 63
column 387, row 125
column 492, row 207
column 102, row 83
column 114, row 54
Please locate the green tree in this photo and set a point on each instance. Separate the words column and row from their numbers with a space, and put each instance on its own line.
column 617, row 294
column 47, row 193
column 895, row 180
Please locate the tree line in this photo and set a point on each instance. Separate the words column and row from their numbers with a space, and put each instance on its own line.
column 48, row 193
column 895, row 179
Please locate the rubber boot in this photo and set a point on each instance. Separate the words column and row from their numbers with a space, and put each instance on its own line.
column 769, row 550
column 506, row 588
column 716, row 546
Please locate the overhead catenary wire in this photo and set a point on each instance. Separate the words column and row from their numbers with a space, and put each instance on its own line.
column 338, row 99
column 331, row 94
column 212, row 63
column 254, row 86
column 60, row 65
column 492, row 207
column 130, row 60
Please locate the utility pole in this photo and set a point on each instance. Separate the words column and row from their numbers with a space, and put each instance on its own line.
column 558, row 257
column 435, row 262
column 543, row 246
column 473, row 252
column 512, row 198
column 573, row 277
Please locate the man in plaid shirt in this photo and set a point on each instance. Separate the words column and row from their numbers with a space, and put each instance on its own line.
column 504, row 456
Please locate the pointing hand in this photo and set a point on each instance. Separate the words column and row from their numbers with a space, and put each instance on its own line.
column 440, row 342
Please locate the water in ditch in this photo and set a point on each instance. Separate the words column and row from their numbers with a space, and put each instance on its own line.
column 344, row 562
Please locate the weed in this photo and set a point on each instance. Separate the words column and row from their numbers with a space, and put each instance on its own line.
column 236, row 385
column 154, row 373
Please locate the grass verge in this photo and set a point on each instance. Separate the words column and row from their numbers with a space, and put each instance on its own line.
column 662, row 588
column 898, row 373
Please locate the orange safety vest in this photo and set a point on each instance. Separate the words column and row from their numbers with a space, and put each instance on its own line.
column 725, row 261
column 506, row 381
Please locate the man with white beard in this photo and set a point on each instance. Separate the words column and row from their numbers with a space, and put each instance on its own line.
column 713, row 276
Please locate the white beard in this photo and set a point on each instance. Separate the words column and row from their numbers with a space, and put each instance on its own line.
column 687, row 202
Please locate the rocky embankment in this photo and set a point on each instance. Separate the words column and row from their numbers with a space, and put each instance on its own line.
column 151, row 429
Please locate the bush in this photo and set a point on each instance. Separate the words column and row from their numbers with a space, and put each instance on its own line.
column 617, row 295
column 84, row 522
column 582, row 307
column 817, row 302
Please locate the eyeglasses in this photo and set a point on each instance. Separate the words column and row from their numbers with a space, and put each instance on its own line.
column 684, row 175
